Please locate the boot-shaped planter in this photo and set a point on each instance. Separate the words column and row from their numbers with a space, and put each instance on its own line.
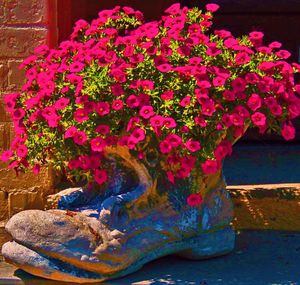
column 141, row 216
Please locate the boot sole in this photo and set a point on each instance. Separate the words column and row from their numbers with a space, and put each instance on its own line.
column 206, row 245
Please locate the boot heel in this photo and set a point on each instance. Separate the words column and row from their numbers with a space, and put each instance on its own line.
column 208, row 245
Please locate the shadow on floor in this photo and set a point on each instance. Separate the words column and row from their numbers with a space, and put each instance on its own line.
column 260, row 258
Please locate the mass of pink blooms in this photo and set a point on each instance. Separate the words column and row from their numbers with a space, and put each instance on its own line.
column 171, row 88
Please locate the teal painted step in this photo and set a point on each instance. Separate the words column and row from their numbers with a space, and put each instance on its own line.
column 263, row 164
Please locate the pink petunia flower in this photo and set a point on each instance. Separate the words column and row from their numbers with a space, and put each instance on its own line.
column 117, row 105
column 76, row 66
column 167, row 95
column 132, row 123
column 212, row 7
column 146, row 84
column 130, row 142
column 193, row 145
column 275, row 45
column 102, row 129
column 219, row 81
column 117, row 89
column 288, row 131
column 173, row 9
column 251, row 77
column 229, row 95
column 185, row 101
column 49, row 113
column 283, row 54
column 18, row 114
column 242, row 58
column 164, row 67
column 144, row 99
column 213, row 50
column 80, row 137
column 173, row 140
column 210, row 166
column 242, row 111
column 100, row 176
column 157, row 121
column 194, row 200
column 70, row 132
column 258, row 119
column 169, row 123
column 36, row 169
column 10, row 101
column 238, row 84
column 254, row 102
column 276, row 110
column 73, row 164
column 80, row 100
column 102, row 108
column 98, row 144
column 22, row 151
column 208, row 107
column 132, row 101
column 170, row 176
column 146, row 112
column 95, row 160
column 222, row 150
column 236, row 120
column 6, row 155
column 165, row 147
column 184, row 129
column 61, row 103
column 223, row 33
column 81, row 115
column 137, row 135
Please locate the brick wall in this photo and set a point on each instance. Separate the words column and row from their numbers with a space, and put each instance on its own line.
column 24, row 24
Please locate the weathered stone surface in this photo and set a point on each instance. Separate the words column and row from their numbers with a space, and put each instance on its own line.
column 23, row 12
column 16, row 77
column 38, row 265
column 57, row 233
column 19, row 42
column 3, row 205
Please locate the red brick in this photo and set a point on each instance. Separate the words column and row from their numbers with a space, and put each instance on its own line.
column 16, row 77
column 20, row 42
column 3, row 75
column 23, row 12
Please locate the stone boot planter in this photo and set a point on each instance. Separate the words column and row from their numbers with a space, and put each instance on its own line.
column 95, row 236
